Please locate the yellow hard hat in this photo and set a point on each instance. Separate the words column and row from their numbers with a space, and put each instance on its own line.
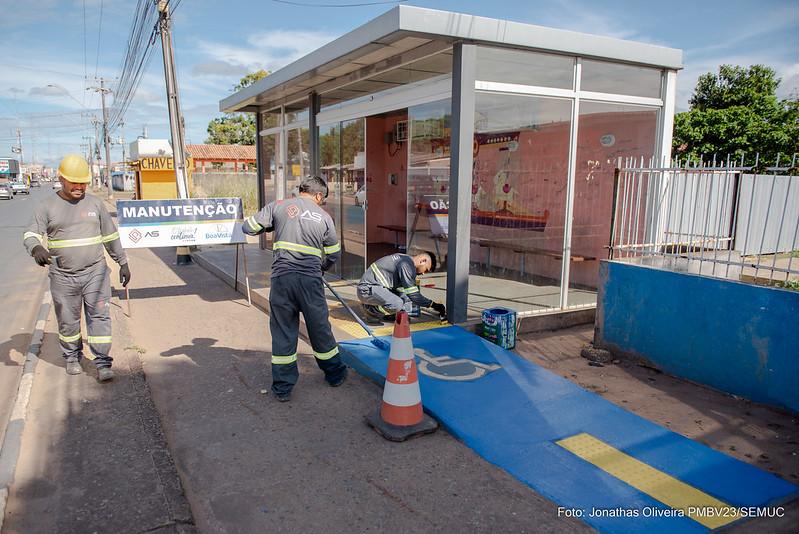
column 75, row 169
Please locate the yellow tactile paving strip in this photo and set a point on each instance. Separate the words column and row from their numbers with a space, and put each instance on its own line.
column 653, row 482
column 356, row 331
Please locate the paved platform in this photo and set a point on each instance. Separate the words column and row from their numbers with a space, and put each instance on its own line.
column 604, row 465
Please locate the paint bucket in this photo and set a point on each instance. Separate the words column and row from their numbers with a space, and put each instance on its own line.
column 499, row 327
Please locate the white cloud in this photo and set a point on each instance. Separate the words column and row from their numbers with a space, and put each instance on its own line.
column 218, row 68
column 587, row 18
column 269, row 50
column 47, row 90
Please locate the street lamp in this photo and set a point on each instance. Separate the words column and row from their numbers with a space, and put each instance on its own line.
column 66, row 92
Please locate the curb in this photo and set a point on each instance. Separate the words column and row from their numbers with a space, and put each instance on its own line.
column 9, row 453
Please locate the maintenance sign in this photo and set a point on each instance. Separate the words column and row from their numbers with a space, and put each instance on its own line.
column 180, row 222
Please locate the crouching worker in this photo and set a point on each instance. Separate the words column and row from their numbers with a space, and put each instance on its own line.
column 78, row 227
column 389, row 286
column 305, row 246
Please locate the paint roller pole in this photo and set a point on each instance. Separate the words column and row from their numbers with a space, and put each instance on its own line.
column 379, row 343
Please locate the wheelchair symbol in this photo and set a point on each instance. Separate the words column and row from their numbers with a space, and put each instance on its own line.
column 453, row 369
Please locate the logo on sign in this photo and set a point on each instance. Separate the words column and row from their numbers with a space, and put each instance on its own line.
column 184, row 234
column 292, row 210
column 134, row 236
column 152, row 233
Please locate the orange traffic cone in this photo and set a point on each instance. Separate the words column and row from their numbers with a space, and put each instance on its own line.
column 401, row 416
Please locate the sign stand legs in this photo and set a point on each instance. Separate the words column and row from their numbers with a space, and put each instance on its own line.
column 236, row 271
column 246, row 274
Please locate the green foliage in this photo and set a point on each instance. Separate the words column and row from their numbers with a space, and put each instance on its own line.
column 232, row 129
column 737, row 112
column 250, row 79
column 235, row 128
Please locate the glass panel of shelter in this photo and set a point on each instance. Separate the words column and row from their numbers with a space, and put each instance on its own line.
column 342, row 165
column 607, row 131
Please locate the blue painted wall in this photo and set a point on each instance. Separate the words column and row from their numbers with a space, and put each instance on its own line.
column 735, row 337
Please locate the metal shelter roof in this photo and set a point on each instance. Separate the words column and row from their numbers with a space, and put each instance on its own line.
column 408, row 44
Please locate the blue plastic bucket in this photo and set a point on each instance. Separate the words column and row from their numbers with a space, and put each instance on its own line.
column 499, row 326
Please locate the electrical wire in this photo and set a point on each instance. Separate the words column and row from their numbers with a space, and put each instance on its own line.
column 85, row 56
column 360, row 4
column 140, row 45
column 99, row 35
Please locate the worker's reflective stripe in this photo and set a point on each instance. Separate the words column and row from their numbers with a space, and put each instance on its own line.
column 99, row 339
column 296, row 247
column 110, row 237
column 408, row 290
column 284, row 360
column 333, row 248
column 69, row 339
column 326, row 355
column 68, row 243
column 253, row 223
column 379, row 275
column 382, row 310
column 26, row 235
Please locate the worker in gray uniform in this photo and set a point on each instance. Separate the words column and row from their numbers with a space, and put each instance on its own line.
column 78, row 228
column 389, row 286
column 305, row 245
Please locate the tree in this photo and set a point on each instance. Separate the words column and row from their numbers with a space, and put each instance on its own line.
column 235, row 128
column 736, row 112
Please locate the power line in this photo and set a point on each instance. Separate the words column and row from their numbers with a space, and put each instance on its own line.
column 99, row 35
column 137, row 57
column 360, row 4
column 85, row 54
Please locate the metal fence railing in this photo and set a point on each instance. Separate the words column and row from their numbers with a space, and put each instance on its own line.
column 725, row 219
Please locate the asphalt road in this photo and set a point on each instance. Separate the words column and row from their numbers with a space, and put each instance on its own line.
column 22, row 284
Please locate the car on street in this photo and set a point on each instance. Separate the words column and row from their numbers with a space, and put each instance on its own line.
column 6, row 192
column 20, row 187
column 360, row 196
column 56, row 185
column 35, row 183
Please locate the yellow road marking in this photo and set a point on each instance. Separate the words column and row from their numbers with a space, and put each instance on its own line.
column 655, row 483
column 355, row 330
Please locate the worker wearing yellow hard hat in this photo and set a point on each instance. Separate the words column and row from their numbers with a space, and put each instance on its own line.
column 74, row 168
column 68, row 232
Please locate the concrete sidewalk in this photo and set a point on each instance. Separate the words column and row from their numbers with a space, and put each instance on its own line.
column 251, row 464
column 93, row 456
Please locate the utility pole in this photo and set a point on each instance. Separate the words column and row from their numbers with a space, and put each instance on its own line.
column 19, row 145
column 103, row 90
column 95, row 152
column 173, row 102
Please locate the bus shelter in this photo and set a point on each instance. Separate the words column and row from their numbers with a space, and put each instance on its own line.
column 490, row 143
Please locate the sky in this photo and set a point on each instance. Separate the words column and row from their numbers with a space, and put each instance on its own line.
column 52, row 50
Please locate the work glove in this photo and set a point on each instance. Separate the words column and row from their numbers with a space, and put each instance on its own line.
column 124, row 275
column 41, row 255
column 441, row 309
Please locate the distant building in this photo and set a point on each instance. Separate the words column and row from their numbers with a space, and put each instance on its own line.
column 224, row 158
column 9, row 169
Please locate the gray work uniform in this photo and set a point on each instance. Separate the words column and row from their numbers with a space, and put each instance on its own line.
column 389, row 286
column 304, row 235
column 76, row 233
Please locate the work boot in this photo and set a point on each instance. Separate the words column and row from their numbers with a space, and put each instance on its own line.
column 338, row 381
column 373, row 321
column 284, row 397
column 73, row 366
column 104, row 374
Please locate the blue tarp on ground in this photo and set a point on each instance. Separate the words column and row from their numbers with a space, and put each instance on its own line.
column 513, row 416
